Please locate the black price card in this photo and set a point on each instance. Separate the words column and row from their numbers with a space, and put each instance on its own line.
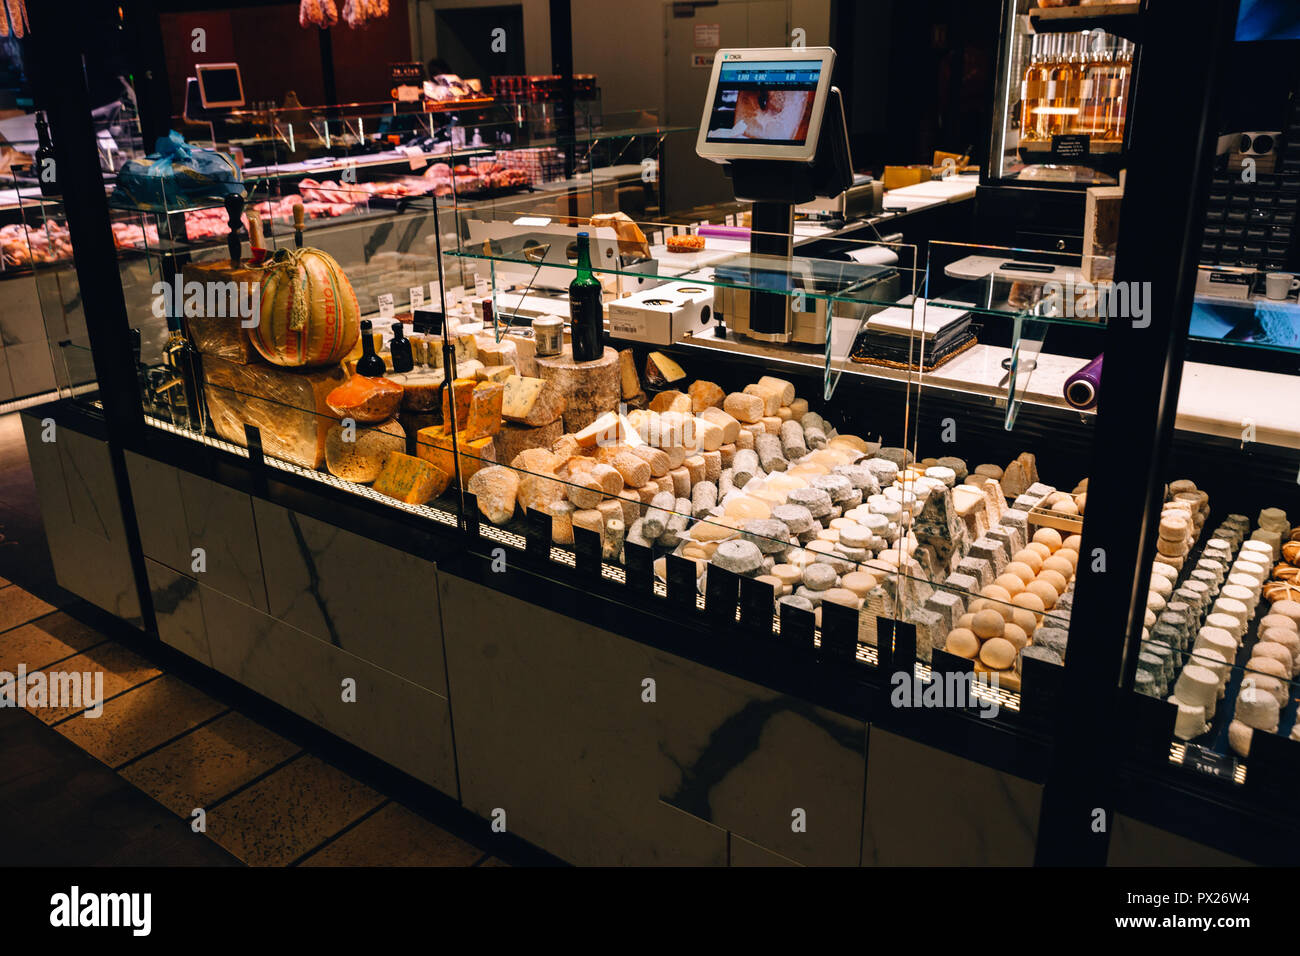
column 942, row 664
column 586, row 553
column 1210, row 763
column 797, row 627
column 839, row 631
column 638, row 562
column 904, row 647
column 1072, row 146
column 1040, row 688
column 757, row 600
column 682, row 587
column 721, row 591
column 537, row 536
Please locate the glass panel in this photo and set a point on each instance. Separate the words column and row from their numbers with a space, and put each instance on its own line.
column 1061, row 102
column 1220, row 638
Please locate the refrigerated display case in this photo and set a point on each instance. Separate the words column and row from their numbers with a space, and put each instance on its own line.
column 812, row 545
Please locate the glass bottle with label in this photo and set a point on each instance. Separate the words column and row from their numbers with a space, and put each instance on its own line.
column 1031, row 89
column 1117, row 107
column 400, row 350
column 370, row 364
column 586, row 314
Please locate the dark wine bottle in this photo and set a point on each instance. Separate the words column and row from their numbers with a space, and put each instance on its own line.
column 400, row 350
column 46, row 169
column 186, row 394
column 586, row 315
column 370, row 364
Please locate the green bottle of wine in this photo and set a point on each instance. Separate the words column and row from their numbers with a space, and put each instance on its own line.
column 586, row 315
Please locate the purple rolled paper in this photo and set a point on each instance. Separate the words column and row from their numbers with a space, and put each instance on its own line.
column 724, row 232
column 1083, row 387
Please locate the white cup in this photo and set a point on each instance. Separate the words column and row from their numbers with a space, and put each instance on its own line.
column 1280, row 285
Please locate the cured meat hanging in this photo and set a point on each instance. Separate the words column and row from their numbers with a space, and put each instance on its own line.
column 318, row 13
column 13, row 18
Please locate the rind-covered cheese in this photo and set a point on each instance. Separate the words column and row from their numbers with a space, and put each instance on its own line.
column 728, row 423
column 495, row 373
column 458, row 395
column 785, row 388
column 770, row 395
column 705, row 395
column 495, row 488
column 435, row 445
column 484, row 416
column 531, row 401
column 670, row 400
column 410, row 479
column 362, row 458
column 661, row 371
column 512, row 439
column 629, row 383
column 744, row 406
column 538, row 488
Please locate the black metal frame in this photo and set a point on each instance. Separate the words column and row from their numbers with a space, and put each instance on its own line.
column 1080, row 756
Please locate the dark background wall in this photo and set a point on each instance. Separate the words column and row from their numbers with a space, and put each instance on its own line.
column 276, row 55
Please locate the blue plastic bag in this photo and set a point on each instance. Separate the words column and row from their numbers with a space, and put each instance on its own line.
column 178, row 175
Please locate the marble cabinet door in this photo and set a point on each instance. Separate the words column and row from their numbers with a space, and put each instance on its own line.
column 220, row 522
column 397, row 721
column 552, row 731
column 160, row 512
column 772, row 769
column 364, row 597
column 926, row 807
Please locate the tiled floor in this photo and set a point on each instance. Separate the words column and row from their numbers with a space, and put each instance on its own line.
column 264, row 801
column 122, row 789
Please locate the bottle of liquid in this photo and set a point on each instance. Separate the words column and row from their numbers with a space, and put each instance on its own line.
column 1075, row 55
column 586, row 315
column 400, row 350
column 370, row 364
column 1031, row 89
column 186, row 388
column 46, row 168
column 1058, row 86
column 1117, row 110
column 1095, row 64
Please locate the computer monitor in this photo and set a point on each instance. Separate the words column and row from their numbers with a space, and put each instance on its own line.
column 765, row 104
column 220, row 85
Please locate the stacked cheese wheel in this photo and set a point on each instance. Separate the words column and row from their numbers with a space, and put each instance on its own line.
column 1186, row 623
column 1014, row 612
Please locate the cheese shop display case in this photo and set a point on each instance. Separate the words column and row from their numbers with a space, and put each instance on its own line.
column 830, row 492
column 937, row 499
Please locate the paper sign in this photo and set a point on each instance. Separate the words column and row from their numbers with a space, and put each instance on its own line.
column 708, row 36
column 386, row 305
column 481, row 287
column 417, row 296
column 414, row 156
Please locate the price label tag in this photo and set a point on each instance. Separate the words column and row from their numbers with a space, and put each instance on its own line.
column 454, row 295
column 386, row 305
column 417, row 296
column 414, row 156
column 435, row 294
column 481, row 287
